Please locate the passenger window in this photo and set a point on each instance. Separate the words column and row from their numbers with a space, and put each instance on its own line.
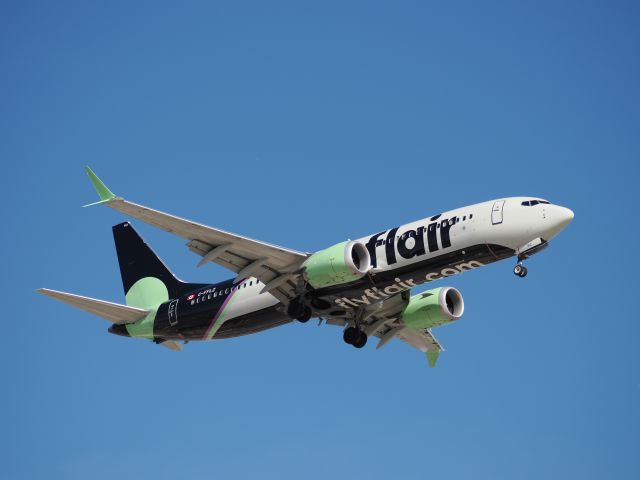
column 215, row 294
column 209, row 297
column 464, row 219
column 226, row 291
column 470, row 216
column 193, row 302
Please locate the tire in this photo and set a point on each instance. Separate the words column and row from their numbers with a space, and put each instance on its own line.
column 295, row 309
column 350, row 335
column 518, row 270
column 305, row 315
column 524, row 272
column 361, row 340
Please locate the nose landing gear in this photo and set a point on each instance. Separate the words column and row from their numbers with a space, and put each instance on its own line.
column 520, row 270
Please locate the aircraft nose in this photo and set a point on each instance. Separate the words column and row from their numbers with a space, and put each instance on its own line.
column 563, row 216
column 558, row 218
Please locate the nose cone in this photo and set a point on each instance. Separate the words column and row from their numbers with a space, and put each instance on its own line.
column 558, row 217
column 565, row 215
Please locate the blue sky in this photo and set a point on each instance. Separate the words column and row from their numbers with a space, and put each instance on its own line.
column 303, row 125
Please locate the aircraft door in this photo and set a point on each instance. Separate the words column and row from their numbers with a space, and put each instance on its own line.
column 172, row 312
column 496, row 212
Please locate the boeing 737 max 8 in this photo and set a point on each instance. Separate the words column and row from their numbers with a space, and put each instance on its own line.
column 362, row 285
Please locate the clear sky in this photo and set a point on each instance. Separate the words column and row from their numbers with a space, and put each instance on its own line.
column 304, row 125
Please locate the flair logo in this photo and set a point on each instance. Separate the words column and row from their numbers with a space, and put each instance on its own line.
column 412, row 242
column 377, row 294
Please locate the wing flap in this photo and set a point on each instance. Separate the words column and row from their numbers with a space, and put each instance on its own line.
column 114, row 312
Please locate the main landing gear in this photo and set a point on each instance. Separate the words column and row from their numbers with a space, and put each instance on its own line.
column 354, row 336
column 299, row 311
column 520, row 270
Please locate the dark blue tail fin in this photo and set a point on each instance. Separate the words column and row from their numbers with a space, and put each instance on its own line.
column 138, row 261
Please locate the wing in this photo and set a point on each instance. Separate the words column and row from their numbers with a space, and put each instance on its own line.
column 114, row 312
column 383, row 320
column 424, row 341
column 277, row 267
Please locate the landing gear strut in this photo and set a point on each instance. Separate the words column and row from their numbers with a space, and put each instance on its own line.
column 299, row 311
column 354, row 336
column 520, row 270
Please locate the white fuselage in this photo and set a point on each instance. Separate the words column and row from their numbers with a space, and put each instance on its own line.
column 434, row 247
column 506, row 222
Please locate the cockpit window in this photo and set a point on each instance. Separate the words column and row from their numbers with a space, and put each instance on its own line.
column 531, row 203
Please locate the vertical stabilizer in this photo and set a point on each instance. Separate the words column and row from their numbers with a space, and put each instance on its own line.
column 146, row 279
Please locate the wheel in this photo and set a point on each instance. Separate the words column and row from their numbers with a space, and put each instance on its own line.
column 305, row 315
column 518, row 270
column 295, row 309
column 361, row 340
column 523, row 273
column 350, row 335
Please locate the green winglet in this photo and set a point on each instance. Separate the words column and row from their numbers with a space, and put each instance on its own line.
column 432, row 356
column 103, row 192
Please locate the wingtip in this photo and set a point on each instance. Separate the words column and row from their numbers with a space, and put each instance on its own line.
column 103, row 192
column 47, row 292
column 432, row 356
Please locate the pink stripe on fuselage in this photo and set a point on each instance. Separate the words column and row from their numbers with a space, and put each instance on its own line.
column 221, row 309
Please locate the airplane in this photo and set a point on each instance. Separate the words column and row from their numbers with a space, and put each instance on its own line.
column 363, row 285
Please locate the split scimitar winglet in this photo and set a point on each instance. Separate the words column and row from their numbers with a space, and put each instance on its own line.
column 103, row 192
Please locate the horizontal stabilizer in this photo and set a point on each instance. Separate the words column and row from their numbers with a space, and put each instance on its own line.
column 114, row 312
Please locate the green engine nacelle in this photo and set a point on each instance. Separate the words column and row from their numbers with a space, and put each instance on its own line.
column 433, row 308
column 337, row 265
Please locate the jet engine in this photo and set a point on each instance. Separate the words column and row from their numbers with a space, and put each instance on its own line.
column 342, row 263
column 433, row 308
